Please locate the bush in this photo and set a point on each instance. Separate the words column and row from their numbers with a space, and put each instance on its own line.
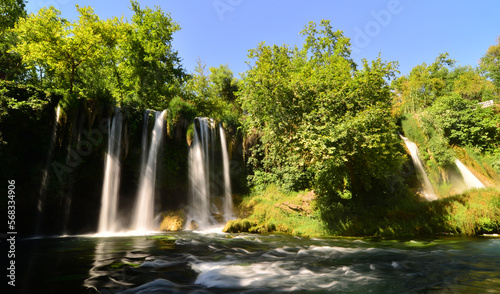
column 475, row 212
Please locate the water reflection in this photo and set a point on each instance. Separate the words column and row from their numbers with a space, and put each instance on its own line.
column 112, row 256
column 213, row 263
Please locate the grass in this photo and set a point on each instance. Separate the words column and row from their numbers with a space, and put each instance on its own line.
column 412, row 130
column 478, row 162
column 273, row 211
column 471, row 213
column 474, row 212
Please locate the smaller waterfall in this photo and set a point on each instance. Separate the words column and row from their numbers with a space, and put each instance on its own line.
column 209, row 179
column 470, row 180
column 428, row 191
column 109, row 198
column 228, row 198
column 143, row 218
column 199, row 191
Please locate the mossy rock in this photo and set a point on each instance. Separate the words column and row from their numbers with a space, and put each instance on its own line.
column 264, row 228
column 237, row 226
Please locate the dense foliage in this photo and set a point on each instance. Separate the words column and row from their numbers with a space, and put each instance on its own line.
column 10, row 63
column 490, row 63
column 213, row 93
column 129, row 62
column 320, row 122
column 440, row 103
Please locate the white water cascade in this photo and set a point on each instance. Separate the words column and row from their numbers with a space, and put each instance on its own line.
column 204, row 181
column 228, row 198
column 469, row 178
column 199, row 184
column 428, row 191
column 109, row 196
column 143, row 217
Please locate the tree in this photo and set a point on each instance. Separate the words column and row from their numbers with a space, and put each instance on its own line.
column 321, row 123
column 468, row 82
column 424, row 83
column 149, row 68
column 214, row 92
column 107, row 59
column 490, row 63
column 10, row 12
column 464, row 123
column 59, row 48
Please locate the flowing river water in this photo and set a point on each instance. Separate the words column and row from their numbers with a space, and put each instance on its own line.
column 209, row 262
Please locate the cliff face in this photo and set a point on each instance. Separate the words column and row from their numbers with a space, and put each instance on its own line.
column 69, row 153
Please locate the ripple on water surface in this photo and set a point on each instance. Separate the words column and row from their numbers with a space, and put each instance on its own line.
column 189, row 262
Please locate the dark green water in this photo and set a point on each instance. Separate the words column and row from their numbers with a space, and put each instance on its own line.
column 189, row 262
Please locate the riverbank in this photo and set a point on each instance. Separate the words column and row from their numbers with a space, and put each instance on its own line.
column 474, row 212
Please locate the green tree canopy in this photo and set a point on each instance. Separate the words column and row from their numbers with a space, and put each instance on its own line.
column 465, row 123
column 320, row 122
column 58, row 47
column 10, row 12
column 149, row 69
column 424, row 83
column 213, row 92
column 93, row 58
column 490, row 63
column 470, row 84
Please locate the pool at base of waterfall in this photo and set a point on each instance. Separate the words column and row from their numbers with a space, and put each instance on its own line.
column 193, row 262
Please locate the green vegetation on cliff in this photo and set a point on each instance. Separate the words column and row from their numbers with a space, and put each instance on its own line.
column 273, row 211
column 470, row 213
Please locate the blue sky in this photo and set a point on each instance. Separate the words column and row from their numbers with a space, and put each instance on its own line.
column 408, row 31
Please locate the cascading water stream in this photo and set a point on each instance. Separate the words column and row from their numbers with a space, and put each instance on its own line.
column 109, row 198
column 228, row 199
column 143, row 218
column 199, row 189
column 428, row 191
column 45, row 174
column 470, row 179
column 202, row 169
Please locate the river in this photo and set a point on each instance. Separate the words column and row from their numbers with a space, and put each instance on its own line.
column 208, row 262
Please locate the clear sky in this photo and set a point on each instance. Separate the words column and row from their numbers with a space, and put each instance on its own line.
column 408, row 31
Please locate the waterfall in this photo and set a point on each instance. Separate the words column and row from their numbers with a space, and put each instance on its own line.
column 470, row 180
column 199, row 185
column 228, row 199
column 143, row 217
column 428, row 191
column 109, row 196
column 205, row 176
column 45, row 173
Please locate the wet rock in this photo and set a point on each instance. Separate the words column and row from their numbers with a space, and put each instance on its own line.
column 193, row 225
column 173, row 221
